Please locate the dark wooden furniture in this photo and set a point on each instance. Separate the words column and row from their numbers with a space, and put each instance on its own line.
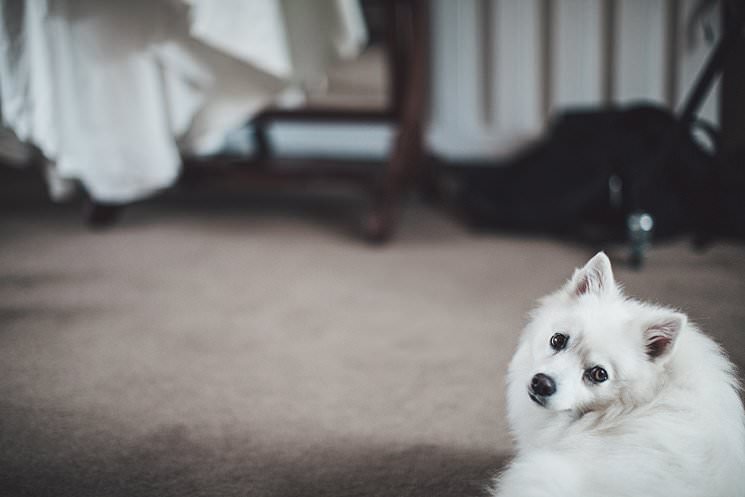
column 406, row 45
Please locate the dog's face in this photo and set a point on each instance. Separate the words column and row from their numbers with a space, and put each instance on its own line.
column 588, row 348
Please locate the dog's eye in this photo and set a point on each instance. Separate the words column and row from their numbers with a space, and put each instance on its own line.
column 596, row 374
column 559, row 341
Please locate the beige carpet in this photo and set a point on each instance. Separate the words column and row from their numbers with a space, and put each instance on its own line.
column 223, row 344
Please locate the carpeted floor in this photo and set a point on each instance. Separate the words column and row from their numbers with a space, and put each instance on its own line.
column 223, row 344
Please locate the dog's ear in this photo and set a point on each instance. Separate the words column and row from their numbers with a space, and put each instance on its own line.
column 661, row 331
column 596, row 277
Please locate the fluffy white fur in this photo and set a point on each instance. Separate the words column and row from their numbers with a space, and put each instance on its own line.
column 668, row 421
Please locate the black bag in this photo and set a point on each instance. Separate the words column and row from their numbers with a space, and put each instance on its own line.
column 595, row 168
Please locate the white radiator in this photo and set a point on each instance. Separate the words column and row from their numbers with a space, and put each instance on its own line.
column 501, row 68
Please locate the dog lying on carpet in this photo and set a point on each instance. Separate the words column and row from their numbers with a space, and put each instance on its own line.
column 608, row 396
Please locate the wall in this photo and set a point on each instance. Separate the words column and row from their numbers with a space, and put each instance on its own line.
column 502, row 68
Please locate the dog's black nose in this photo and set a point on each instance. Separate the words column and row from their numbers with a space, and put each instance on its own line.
column 543, row 385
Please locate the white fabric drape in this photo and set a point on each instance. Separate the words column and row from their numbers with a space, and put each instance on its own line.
column 114, row 92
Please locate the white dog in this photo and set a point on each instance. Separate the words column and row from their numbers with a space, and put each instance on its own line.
column 609, row 397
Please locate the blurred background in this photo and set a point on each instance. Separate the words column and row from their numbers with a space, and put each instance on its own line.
column 284, row 247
